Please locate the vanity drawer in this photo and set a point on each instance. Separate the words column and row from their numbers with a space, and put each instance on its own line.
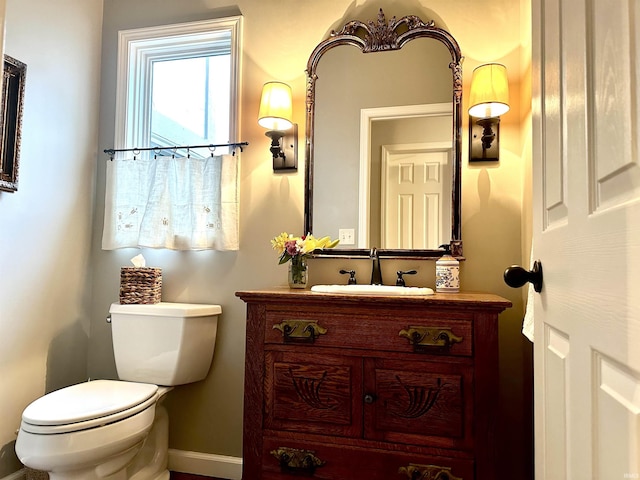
column 288, row 459
column 428, row 333
column 313, row 393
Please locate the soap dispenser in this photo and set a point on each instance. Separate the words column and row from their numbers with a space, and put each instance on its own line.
column 447, row 272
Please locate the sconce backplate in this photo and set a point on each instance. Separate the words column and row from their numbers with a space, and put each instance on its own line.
column 477, row 152
column 290, row 149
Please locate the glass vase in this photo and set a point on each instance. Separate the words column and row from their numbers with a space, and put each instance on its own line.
column 298, row 272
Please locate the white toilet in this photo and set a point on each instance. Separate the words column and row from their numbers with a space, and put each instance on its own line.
column 118, row 429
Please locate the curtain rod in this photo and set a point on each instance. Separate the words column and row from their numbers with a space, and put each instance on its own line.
column 210, row 146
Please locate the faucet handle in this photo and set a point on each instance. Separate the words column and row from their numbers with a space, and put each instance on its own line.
column 352, row 276
column 400, row 281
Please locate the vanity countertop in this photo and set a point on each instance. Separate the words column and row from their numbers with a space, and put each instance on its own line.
column 454, row 300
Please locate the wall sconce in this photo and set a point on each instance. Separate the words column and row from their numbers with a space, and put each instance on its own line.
column 276, row 115
column 489, row 98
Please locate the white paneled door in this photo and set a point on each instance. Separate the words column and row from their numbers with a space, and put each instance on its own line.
column 414, row 186
column 586, row 147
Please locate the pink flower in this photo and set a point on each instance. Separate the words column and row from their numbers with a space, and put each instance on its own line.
column 291, row 247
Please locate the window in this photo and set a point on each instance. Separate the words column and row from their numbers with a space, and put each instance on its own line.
column 190, row 101
column 177, row 85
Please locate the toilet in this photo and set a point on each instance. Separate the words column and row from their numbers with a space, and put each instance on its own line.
column 118, row 429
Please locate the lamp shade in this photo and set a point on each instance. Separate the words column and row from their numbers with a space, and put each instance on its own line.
column 275, row 106
column 489, row 95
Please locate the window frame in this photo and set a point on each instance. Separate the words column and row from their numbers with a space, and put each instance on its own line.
column 139, row 48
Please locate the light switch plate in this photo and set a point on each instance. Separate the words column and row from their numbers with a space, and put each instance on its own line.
column 347, row 236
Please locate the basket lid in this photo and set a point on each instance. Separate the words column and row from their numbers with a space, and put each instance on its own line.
column 167, row 309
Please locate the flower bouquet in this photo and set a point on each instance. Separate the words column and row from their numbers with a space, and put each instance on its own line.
column 297, row 250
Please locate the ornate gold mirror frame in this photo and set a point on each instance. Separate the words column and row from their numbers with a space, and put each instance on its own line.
column 383, row 36
column 12, row 101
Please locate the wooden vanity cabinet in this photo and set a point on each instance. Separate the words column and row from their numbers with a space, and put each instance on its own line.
column 341, row 387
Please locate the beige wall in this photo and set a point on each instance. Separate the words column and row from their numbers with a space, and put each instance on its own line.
column 45, row 227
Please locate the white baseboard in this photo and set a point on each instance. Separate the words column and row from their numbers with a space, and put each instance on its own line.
column 207, row 464
column 19, row 475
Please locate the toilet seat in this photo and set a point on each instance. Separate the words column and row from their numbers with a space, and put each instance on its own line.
column 87, row 405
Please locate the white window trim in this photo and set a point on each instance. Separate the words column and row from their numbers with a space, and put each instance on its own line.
column 139, row 47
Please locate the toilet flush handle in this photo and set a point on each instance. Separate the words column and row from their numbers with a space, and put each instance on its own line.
column 108, row 318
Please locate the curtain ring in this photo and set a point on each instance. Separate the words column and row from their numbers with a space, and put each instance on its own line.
column 156, row 152
column 212, row 148
column 136, row 152
column 175, row 149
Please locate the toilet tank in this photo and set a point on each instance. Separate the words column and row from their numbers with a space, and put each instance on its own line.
column 164, row 343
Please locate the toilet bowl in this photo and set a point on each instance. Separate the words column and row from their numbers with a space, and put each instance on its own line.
column 118, row 429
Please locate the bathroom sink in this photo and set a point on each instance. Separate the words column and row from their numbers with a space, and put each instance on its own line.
column 372, row 290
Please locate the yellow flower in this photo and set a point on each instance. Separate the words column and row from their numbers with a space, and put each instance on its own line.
column 278, row 243
column 289, row 246
column 310, row 243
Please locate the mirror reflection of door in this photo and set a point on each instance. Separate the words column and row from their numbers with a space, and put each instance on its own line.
column 414, row 188
column 419, row 195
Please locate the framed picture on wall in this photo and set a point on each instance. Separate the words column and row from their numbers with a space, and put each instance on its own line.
column 13, row 81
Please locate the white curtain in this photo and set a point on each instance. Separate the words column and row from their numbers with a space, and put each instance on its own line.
column 175, row 203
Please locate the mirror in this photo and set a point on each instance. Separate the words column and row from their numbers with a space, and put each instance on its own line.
column 380, row 117
column 12, row 101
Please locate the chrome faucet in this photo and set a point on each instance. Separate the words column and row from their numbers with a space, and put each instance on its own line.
column 376, row 272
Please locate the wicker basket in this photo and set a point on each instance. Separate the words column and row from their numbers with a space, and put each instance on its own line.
column 140, row 285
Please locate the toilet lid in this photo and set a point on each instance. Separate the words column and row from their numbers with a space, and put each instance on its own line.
column 86, row 405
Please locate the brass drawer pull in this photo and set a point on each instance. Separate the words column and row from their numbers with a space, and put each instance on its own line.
column 300, row 330
column 428, row 472
column 425, row 339
column 294, row 460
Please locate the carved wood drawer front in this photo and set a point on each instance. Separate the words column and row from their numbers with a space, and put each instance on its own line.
column 313, row 393
column 422, row 333
column 288, row 459
column 419, row 403
column 415, row 403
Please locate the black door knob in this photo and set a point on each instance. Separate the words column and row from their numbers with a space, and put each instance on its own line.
column 515, row 276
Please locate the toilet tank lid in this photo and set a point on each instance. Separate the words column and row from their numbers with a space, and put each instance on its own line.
column 167, row 309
